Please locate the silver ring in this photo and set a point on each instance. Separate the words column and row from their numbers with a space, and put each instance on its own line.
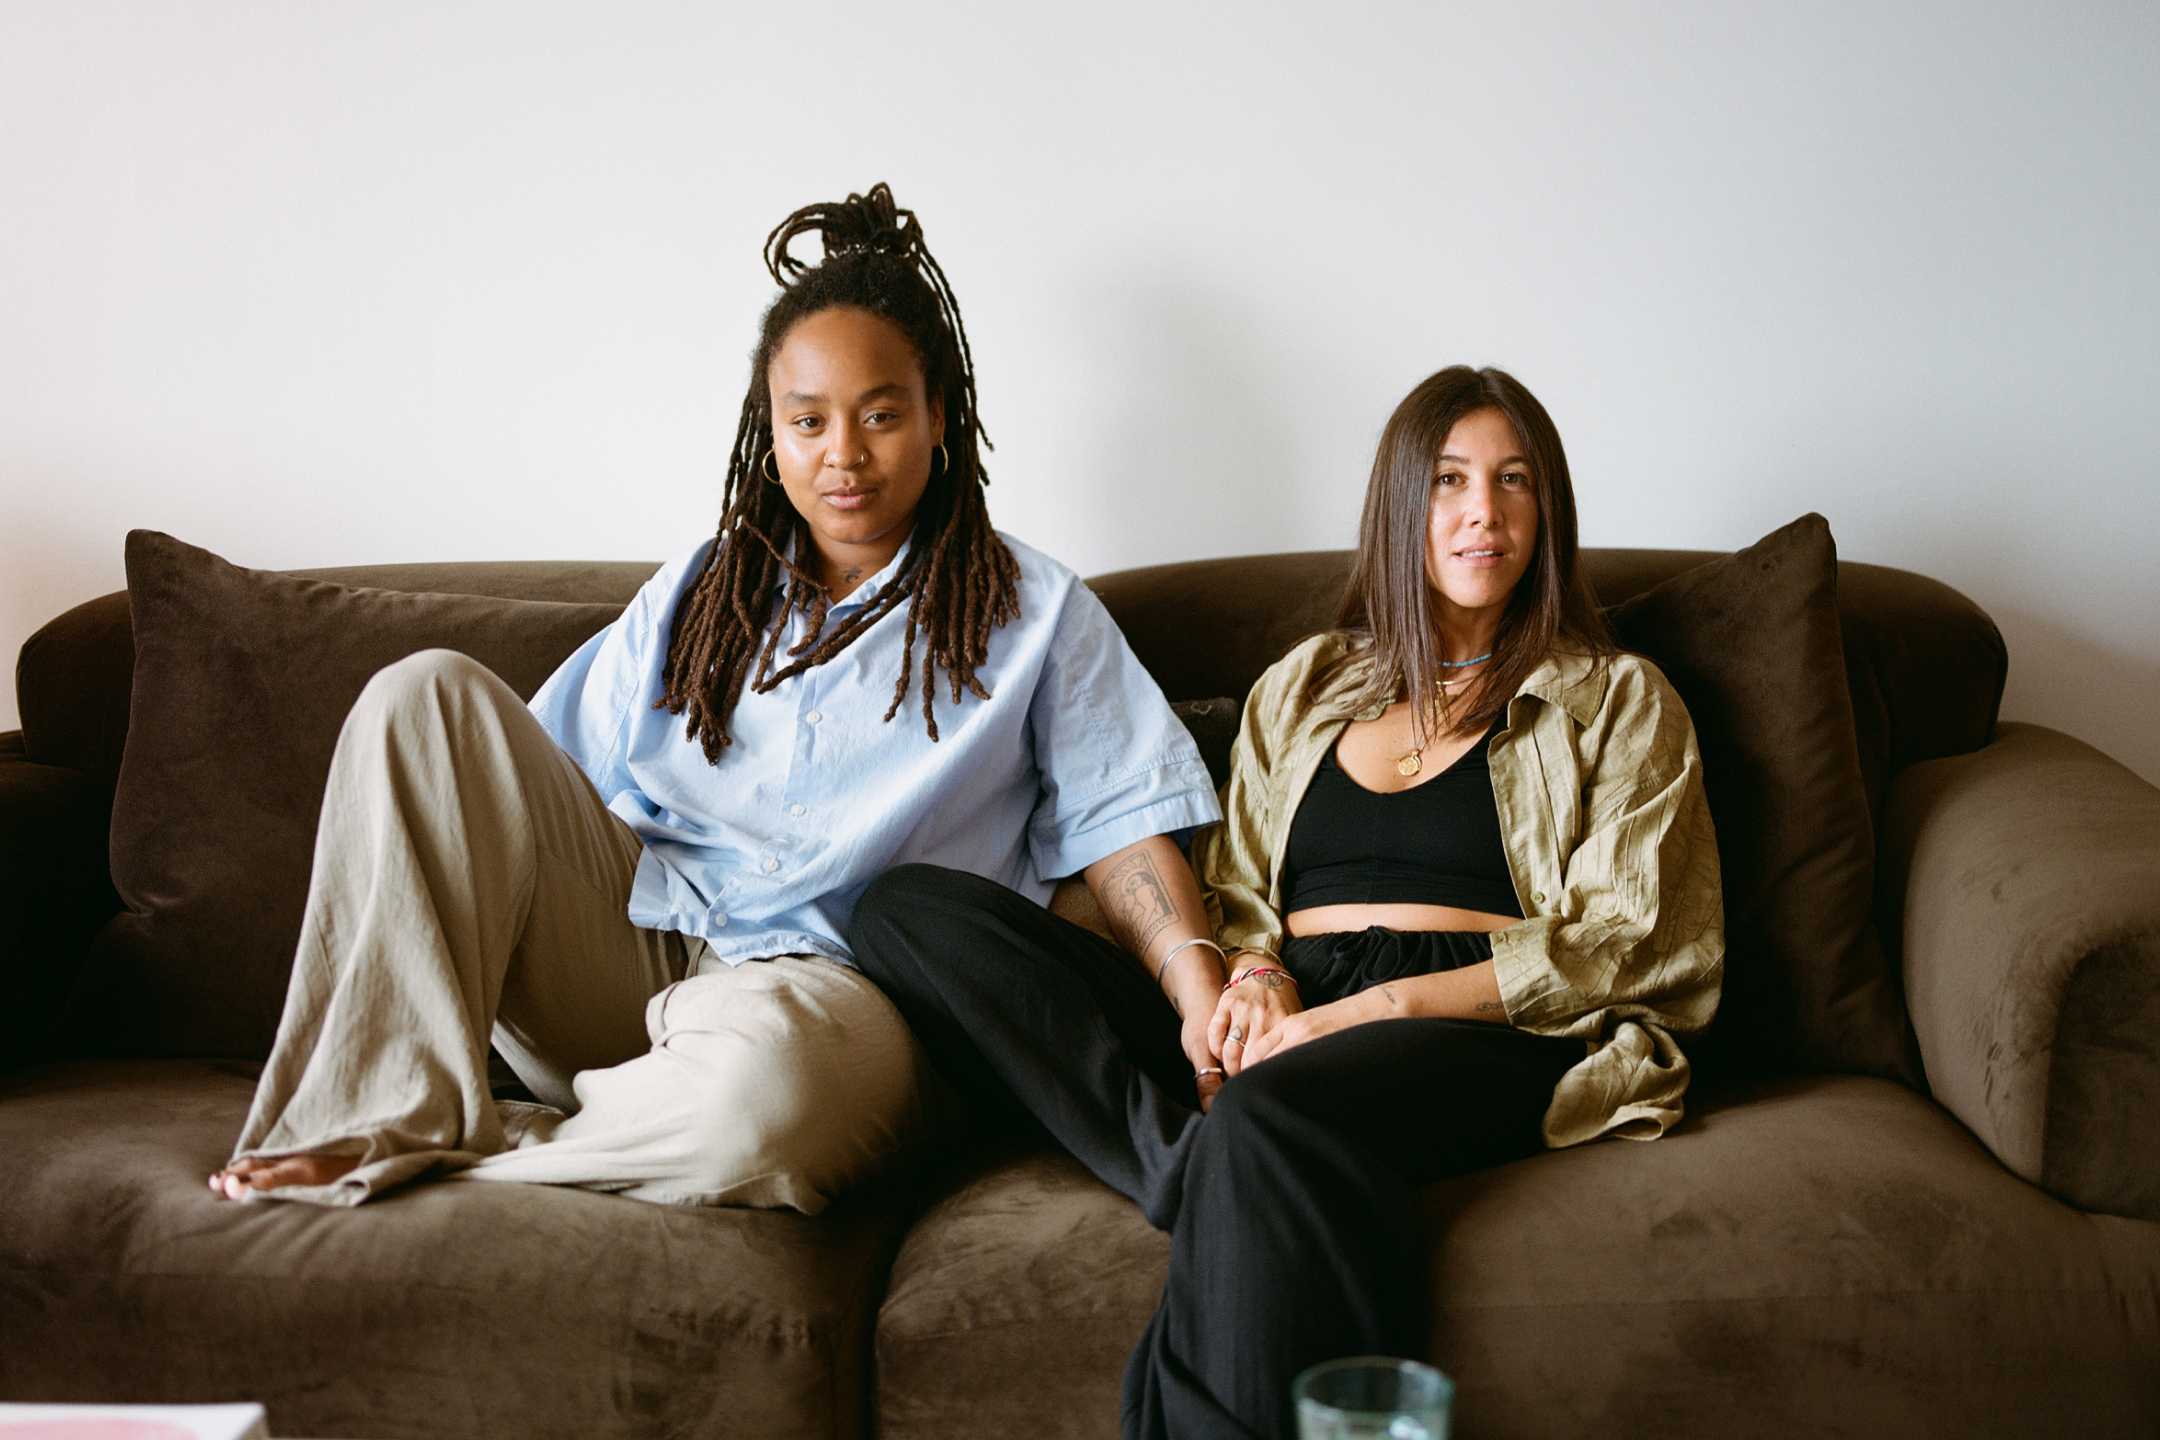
column 1237, row 1033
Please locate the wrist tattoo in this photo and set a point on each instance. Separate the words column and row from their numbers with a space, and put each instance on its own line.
column 1270, row 980
column 1136, row 901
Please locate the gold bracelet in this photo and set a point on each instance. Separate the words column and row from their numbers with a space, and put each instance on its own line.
column 1172, row 953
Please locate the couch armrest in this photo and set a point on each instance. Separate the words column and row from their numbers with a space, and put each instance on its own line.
column 2029, row 873
column 55, row 890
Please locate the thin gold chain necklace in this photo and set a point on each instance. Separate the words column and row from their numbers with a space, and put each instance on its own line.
column 1409, row 764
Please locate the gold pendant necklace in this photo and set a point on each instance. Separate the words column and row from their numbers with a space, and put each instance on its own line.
column 1409, row 765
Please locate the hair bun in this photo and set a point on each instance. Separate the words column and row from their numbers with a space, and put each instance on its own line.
column 872, row 223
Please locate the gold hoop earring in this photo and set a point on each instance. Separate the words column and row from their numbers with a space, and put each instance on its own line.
column 772, row 476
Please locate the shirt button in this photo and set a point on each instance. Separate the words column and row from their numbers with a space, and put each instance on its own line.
column 797, row 811
column 1537, row 897
column 719, row 920
column 814, row 716
column 771, row 864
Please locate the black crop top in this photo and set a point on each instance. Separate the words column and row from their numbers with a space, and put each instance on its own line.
column 1437, row 843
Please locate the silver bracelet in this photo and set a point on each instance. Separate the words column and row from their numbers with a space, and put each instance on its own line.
column 1187, row 945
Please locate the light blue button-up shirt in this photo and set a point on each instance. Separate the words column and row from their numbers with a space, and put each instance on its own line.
column 1075, row 756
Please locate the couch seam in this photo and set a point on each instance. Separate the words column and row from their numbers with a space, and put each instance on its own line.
column 1474, row 1309
column 810, row 1335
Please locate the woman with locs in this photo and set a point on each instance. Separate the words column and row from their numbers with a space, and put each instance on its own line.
column 1465, row 898
column 638, row 887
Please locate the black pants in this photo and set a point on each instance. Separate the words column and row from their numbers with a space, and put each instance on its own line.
column 1294, row 1229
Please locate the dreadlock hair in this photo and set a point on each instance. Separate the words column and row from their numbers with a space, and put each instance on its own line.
column 959, row 580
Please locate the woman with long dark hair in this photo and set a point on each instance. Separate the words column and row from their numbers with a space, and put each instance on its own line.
column 638, row 888
column 1467, row 897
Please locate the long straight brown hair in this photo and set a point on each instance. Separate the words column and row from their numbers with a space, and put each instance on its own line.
column 1390, row 606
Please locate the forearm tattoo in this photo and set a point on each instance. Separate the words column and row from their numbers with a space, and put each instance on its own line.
column 1136, row 900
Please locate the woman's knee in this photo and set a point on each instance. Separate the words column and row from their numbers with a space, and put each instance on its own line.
column 1254, row 1123
column 782, row 1082
column 903, row 888
column 1257, row 1096
column 426, row 680
column 908, row 899
column 799, row 1134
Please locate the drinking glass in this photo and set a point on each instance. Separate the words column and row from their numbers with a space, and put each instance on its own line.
column 1372, row 1397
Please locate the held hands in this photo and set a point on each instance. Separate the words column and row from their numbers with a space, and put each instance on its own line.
column 1304, row 1025
column 1260, row 999
column 1207, row 1070
column 1191, row 976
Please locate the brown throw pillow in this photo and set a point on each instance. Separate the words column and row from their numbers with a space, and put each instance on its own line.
column 242, row 681
column 1752, row 642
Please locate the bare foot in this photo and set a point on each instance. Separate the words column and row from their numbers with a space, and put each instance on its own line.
column 237, row 1179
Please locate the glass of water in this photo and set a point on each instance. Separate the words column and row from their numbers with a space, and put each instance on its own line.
column 1372, row 1397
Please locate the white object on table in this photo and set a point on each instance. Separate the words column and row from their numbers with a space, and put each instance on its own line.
column 133, row 1422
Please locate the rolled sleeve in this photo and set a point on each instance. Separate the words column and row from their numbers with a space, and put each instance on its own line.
column 1163, row 800
column 1117, row 766
column 1635, row 931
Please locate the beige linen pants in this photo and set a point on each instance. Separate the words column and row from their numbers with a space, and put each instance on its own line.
column 467, row 877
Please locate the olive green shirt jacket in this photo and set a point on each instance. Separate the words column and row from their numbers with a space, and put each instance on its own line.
column 1598, row 783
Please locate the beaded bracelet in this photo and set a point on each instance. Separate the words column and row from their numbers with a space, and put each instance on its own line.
column 1253, row 970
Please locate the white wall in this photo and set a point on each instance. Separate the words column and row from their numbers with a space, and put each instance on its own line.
column 315, row 284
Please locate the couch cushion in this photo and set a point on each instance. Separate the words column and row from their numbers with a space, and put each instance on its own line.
column 1820, row 1255
column 1827, row 1255
column 443, row 1310
column 241, row 682
column 1014, row 1302
column 1752, row 642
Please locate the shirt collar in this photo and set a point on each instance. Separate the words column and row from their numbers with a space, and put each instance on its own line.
column 871, row 588
column 1571, row 680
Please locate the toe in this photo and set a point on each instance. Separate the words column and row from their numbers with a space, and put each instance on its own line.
column 266, row 1177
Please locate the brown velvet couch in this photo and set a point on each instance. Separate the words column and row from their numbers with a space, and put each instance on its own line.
column 1954, row 1230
